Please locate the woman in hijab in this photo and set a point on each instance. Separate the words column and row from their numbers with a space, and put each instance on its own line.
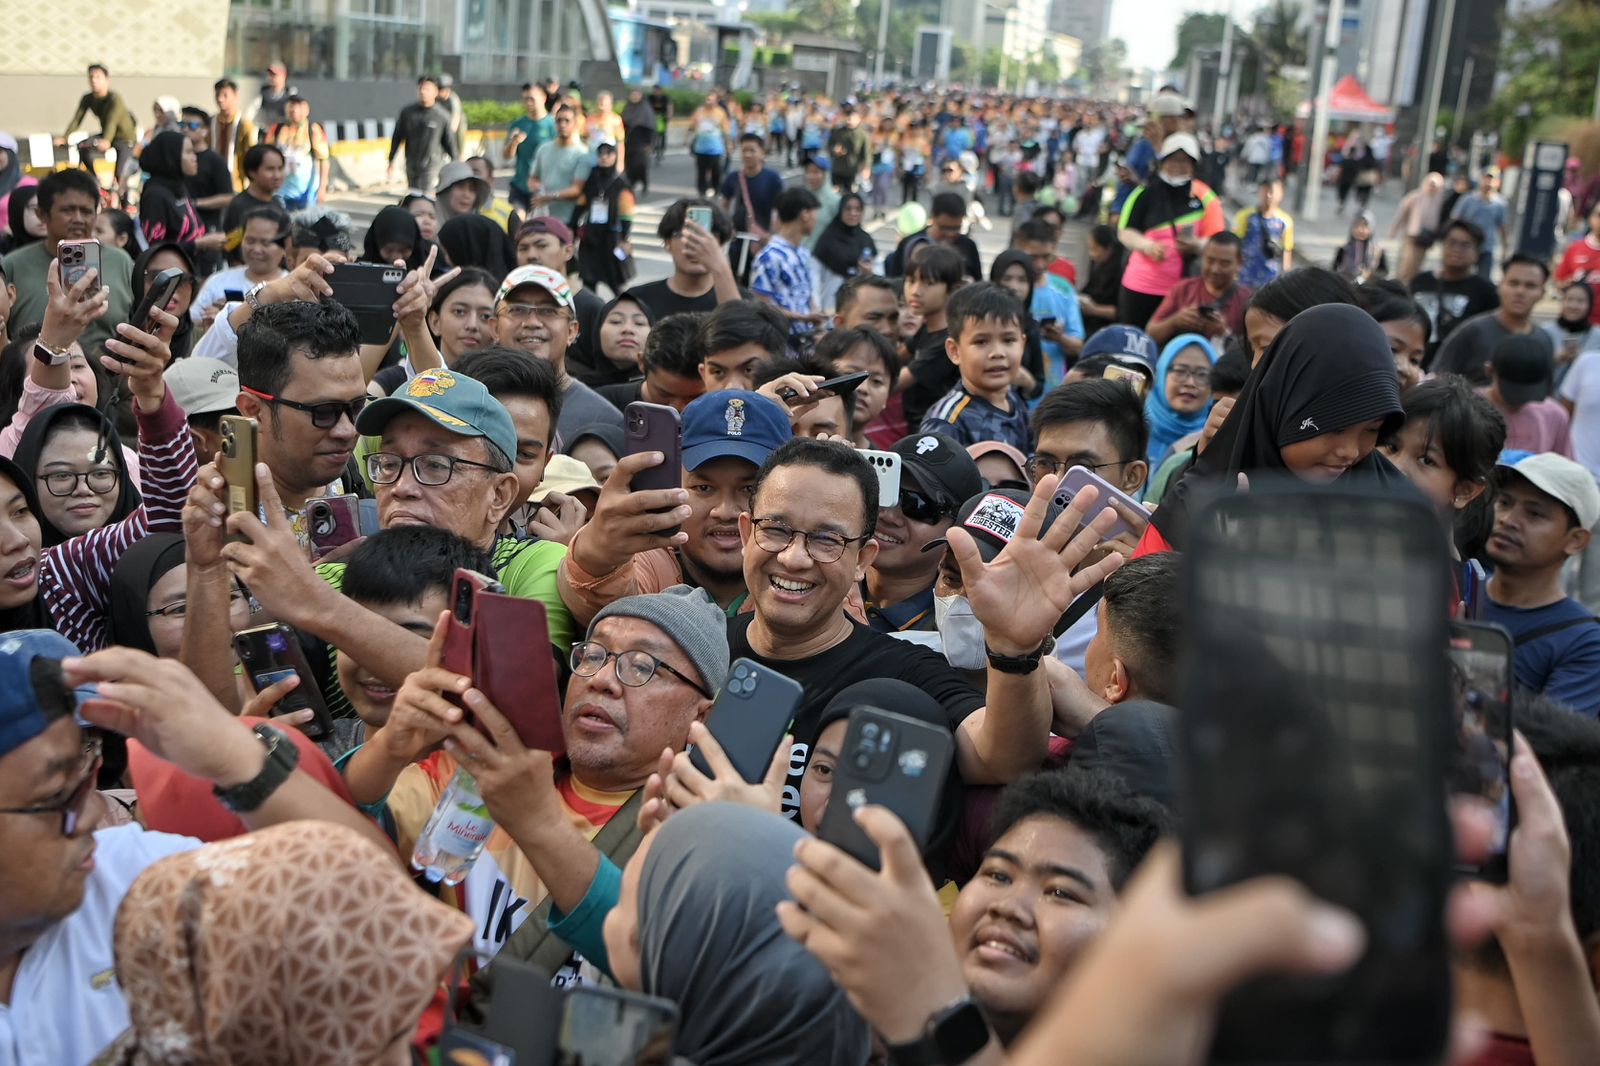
column 1314, row 408
column 475, row 241
column 165, row 210
column 639, row 138
column 1014, row 270
column 74, row 458
column 11, row 176
column 697, row 924
column 425, row 209
column 604, row 224
column 242, row 952
column 1181, row 399
column 23, row 222
column 394, row 234
column 169, row 255
column 1572, row 334
column 625, row 325
column 843, row 250
column 1361, row 258
column 1098, row 298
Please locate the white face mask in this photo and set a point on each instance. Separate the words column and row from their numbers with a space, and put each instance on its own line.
column 1174, row 180
column 961, row 632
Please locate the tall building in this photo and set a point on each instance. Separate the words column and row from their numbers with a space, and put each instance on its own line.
column 1087, row 20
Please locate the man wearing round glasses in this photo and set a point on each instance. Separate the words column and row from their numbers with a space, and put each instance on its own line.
column 936, row 475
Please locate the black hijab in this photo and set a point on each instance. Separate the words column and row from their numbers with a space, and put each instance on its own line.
column 1329, row 369
column 638, row 113
column 12, row 172
column 35, row 614
column 395, row 225
column 475, row 240
column 17, row 207
column 162, row 159
column 32, row 445
column 594, row 368
column 840, row 246
column 183, row 338
column 136, row 573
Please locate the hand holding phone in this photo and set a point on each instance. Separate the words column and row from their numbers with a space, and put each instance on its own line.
column 271, row 653
column 77, row 258
column 752, row 712
column 1480, row 758
column 334, row 521
column 1131, row 515
column 700, row 216
column 238, row 465
column 652, row 427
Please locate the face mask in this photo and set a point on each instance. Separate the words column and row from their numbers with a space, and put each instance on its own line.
column 961, row 632
column 1175, row 182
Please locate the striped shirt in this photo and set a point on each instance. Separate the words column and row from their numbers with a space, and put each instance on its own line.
column 75, row 576
column 970, row 419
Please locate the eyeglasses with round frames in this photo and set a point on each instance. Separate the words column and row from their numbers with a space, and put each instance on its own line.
column 65, row 482
column 824, row 546
column 635, row 668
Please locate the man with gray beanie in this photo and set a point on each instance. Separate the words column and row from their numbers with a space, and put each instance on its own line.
column 646, row 669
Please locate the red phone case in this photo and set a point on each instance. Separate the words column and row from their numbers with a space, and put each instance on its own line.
column 458, row 656
column 515, row 668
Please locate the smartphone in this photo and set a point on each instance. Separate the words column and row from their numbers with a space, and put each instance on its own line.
column 891, row 761
column 654, row 427
column 750, row 717
column 1135, row 380
column 367, row 516
column 701, row 216
column 1313, row 744
column 1211, row 310
column 238, row 466
column 271, row 653
column 77, row 259
column 524, row 1017
column 369, row 290
column 888, row 467
column 1073, row 482
column 611, row 1027
column 1480, row 660
column 334, row 521
column 845, row 383
column 464, row 591
column 514, row 666
column 1047, row 320
column 1474, row 579
column 158, row 293
column 233, row 296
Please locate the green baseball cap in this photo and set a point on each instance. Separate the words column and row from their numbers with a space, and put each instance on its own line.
column 451, row 401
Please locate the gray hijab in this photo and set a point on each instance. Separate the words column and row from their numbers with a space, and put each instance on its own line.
column 709, row 940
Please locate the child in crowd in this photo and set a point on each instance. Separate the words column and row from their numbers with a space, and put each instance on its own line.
column 985, row 344
column 934, row 274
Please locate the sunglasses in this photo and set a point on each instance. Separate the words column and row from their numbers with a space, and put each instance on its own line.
column 920, row 508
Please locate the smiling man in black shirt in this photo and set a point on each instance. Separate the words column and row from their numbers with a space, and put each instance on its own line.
column 808, row 538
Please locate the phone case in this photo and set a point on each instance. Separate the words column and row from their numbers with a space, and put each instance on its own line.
column 515, row 667
column 844, row 385
column 77, row 259
column 333, row 521
column 614, row 1027
column 701, row 216
column 458, row 656
column 525, row 1014
column 888, row 466
column 1313, row 744
column 1135, row 380
column 750, row 717
column 369, row 290
column 238, row 467
column 653, row 427
column 271, row 653
column 157, row 294
column 1072, row 483
column 1480, row 758
column 891, row 761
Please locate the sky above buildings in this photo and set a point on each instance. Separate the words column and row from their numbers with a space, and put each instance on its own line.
column 1150, row 27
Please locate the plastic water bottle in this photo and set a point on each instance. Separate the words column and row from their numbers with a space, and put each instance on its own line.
column 455, row 833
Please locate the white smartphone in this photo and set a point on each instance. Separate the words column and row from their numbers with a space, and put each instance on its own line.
column 887, row 465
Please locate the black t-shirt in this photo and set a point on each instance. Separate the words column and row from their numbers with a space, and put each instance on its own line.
column 1449, row 303
column 663, row 301
column 623, row 393
column 211, row 178
column 862, row 655
column 932, row 375
column 240, row 206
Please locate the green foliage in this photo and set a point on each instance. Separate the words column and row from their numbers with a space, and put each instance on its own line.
column 490, row 114
column 1550, row 57
column 1283, row 96
column 1197, row 30
column 1278, row 37
column 1105, row 65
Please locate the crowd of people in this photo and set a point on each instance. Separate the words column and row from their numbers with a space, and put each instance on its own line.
column 208, row 863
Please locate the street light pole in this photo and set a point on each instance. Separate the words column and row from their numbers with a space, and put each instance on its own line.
column 1437, row 64
column 883, row 41
column 1311, row 209
column 1224, row 72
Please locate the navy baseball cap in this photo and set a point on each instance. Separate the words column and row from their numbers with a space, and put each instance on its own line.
column 1122, row 343
column 449, row 400
column 21, row 716
column 733, row 422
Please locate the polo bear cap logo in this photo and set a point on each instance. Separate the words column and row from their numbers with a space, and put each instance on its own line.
column 734, row 416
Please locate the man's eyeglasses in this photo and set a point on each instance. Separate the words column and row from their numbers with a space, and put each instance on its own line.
column 522, row 312
column 1200, row 375
column 323, row 415
column 193, row 124
column 384, row 468
column 1042, row 466
column 65, row 482
column 71, row 808
column 178, row 608
column 919, row 508
column 824, row 546
column 634, row 668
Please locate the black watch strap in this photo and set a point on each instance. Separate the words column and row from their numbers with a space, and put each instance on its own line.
column 1021, row 664
column 954, row 1035
column 282, row 758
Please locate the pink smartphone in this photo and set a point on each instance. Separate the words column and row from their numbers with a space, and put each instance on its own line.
column 77, row 259
column 1073, row 482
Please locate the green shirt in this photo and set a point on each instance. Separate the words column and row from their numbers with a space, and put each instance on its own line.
column 539, row 131
column 115, row 122
column 26, row 268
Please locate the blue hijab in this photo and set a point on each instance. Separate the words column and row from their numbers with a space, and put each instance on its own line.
column 1167, row 426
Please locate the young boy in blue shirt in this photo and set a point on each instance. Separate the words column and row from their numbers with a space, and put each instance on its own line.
column 985, row 343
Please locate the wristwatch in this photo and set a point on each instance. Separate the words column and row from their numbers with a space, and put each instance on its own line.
column 954, row 1035
column 1021, row 664
column 282, row 758
column 50, row 356
column 252, row 296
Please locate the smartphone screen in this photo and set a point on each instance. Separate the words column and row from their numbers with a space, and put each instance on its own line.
column 607, row 1027
column 1480, row 769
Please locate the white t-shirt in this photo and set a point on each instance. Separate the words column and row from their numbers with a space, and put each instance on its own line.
column 1581, row 387
column 66, row 1005
column 217, row 285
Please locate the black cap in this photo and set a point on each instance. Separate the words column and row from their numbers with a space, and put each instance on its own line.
column 992, row 517
column 1522, row 368
column 1134, row 741
column 942, row 468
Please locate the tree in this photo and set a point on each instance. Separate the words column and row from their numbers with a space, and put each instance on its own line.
column 1197, row 30
column 1549, row 58
column 1278, row 36
column 1104, row 65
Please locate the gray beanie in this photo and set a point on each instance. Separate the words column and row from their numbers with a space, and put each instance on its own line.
column 690, row 617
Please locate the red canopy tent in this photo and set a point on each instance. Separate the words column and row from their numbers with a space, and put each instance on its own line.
column 1349, row 102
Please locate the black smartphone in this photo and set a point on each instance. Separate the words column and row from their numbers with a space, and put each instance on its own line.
column 1313, row 744
column 654, row 427
column 1047, row 320
column 892, row 761
column 524, row 1017
column 233, row 296
column 369, row 290
column 751, row 714
column 271, row 653
column 158, row 293
column 1480, row 768
column 612, row 1027
column 1211, row 310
